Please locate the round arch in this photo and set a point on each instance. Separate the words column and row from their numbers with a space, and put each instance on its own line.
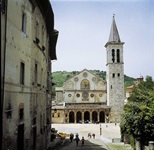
column 94, row 116
column 85, row 84
column 78, row 116
column 86, row 116
column 102, row 117
column 71, row 117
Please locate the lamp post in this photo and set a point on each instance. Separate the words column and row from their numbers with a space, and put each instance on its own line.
column 100, row 129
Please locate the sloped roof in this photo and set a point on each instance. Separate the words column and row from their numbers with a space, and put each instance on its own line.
column 88, row 72
column 114, row 35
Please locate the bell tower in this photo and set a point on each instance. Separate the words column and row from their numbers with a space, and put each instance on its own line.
column 115, row 73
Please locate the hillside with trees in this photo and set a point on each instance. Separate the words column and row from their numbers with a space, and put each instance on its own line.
column 59, row 77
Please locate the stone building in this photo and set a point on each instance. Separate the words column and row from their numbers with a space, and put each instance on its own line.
column 86, row 97
column 129, row 89
column 115, row 73
column 28, row 45
column 82, row 98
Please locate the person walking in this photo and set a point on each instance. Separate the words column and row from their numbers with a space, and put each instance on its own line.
column 93, row 135
column 82, row 141
column 71, row 136
column 77, row 140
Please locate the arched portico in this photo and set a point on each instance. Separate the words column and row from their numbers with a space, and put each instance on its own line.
column 102, row 117
column 94, row 116
column 86, row 116
column 78, row 117
column 71, row 117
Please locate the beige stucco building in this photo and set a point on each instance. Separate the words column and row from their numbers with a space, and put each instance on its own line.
column 129, row 89
column 28, row 46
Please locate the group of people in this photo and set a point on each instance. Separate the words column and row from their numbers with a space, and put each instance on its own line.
column 76, row 138
column 89, row 135
column 82, row 140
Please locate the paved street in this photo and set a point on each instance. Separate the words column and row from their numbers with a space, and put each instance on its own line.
column 92, row 144
column 110, row 133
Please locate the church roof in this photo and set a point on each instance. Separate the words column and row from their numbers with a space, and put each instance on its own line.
column 114, row 35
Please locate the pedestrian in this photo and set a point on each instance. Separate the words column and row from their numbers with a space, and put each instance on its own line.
column 77, row 135
column 77, row 140
column 71, row 136
column 93, row 135
column 89, row 135
column 82, row 141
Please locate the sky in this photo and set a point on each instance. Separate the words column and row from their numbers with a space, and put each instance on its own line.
column 84, row 28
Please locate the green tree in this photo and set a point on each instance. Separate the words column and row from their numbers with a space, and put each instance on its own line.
column 138, row 117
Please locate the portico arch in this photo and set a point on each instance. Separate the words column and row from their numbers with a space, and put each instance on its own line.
column 94, row 116
column 71, row 117
column 78, row 116
column 86, row 116
column 102, row 117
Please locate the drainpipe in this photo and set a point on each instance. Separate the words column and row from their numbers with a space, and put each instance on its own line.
column 3, row 76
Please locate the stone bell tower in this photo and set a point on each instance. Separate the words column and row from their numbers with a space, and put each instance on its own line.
column 115, row 73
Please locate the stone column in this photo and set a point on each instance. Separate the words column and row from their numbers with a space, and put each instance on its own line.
column 68, row 117
column 90, row 115
column 98, row 116
column 82, row 116
column 74, row 116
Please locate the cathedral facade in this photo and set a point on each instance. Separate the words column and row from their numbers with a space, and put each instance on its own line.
column 87, row 98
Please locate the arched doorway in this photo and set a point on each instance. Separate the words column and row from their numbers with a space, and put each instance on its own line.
column 78, row 116
column 71, row 117
column 86, row 116
column 94, row 116
column 102, row 117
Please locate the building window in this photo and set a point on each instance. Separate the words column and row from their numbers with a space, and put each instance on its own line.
column 92, row 95
column 78, row 95
column 24, row 23
column 22, row 73
column 37, row 32
column 43, row 36
column 111, row 86
column 85, row 95
column 118, row 74
column 100, row 95
column 113, row 75
column 113, row 55
column 69, row 95
column 21, row 113
column 35, row 73
column 118, row 55
column 58, row 115
column 3, row 6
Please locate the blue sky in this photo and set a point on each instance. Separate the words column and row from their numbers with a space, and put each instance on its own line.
column 84, row 28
